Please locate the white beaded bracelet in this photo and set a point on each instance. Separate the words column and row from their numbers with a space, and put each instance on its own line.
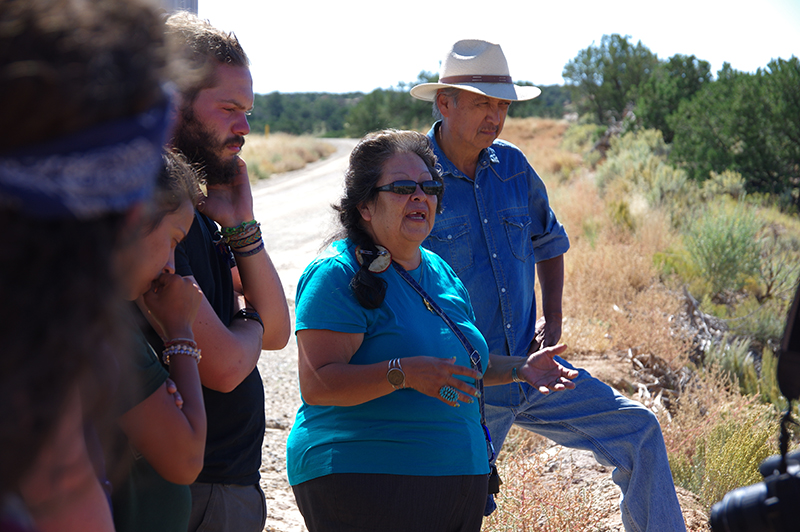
column 181, row 349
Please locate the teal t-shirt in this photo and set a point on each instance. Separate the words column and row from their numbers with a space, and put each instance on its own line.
column 144, row 500
column 405, row 432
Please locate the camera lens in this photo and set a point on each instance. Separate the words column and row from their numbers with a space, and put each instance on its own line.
column 741, row 510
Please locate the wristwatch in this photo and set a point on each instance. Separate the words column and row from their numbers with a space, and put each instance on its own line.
column 395, row 375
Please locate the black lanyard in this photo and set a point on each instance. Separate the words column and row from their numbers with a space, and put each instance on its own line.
column 474, row 356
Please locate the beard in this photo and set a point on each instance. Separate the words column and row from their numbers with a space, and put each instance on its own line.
column 202, row 148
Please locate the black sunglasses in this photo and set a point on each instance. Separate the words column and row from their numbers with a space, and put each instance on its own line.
column 406, row 186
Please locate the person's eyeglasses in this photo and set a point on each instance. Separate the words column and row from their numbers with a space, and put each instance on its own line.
column 431, row 188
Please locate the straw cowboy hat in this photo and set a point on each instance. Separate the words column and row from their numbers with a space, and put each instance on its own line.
column 476, row 66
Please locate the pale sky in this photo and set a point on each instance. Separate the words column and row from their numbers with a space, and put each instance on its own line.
column 362, row 45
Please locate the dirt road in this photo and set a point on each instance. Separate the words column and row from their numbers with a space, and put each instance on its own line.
column 295, row 212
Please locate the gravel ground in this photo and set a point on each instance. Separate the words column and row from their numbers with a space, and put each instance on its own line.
column 281, row 400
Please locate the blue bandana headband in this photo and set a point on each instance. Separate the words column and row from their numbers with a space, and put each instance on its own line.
column 104, row 169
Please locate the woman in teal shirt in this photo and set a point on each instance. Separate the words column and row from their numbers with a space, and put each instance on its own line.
column 389, row 434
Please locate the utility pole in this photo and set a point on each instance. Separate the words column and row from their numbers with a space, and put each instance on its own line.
column 180, row 5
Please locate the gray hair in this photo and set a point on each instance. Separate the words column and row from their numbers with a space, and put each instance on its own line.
column 450, row 92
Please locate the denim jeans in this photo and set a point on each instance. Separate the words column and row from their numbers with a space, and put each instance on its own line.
column 621, row 433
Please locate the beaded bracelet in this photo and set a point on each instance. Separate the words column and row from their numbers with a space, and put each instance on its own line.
column 248, row 253
column 246, row 240
column 187, row 341
column 180, row 347
column 241, row 229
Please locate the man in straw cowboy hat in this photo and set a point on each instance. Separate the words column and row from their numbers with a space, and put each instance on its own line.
column 498, row 232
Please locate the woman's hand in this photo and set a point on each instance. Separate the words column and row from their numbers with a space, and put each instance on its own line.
column 172, row 389
column 173, row 302
column 429, row 375
column 544, row 373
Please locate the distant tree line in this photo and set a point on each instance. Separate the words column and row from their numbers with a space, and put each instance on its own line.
column 354, row 114
column 741, row 122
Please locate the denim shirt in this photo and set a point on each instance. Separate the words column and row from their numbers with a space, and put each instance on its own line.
column 492, row 231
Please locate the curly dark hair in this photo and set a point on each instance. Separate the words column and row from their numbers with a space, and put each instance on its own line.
column 66, row 65
column 197, row 47
column 362, row 175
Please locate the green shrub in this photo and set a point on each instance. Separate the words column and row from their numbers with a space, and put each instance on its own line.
column 727, row 452
column 763, row 322
column 581, row 139
column 732, row 357
column 728, row 183
column 722, row 243
column 733, row 452
column 637, row 163
column 768, row 389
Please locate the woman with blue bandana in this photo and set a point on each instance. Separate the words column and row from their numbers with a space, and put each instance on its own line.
column 83, row 123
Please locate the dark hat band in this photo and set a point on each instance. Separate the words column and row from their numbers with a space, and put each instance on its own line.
column 476, row 79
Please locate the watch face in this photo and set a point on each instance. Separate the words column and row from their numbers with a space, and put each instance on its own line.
column 396, row 377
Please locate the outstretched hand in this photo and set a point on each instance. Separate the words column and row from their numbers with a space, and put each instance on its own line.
column 230, row 204
column 545, row 374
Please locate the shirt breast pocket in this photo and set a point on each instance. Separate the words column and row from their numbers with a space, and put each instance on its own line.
column 518, row 231
column 450, row 240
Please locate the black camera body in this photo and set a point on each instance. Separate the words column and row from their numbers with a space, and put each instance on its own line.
column 769, row 506
column 774, row 504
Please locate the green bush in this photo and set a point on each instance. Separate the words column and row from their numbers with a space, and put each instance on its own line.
column 761, row 321
column 581, row 138
column 732, row 357
column 727, row 453
column 733, row 452
column 637, row 163
column 722, row 243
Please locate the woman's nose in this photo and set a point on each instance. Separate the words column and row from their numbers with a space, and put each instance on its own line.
column 169, row 267
column 418, row 194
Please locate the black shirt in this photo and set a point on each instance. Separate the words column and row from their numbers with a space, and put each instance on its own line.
column 235, row 420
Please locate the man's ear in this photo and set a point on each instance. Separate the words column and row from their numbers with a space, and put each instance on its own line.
column 444, row 103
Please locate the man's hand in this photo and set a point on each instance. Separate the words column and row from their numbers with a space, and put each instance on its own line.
column 231, row 204
column 545, row 374
column 547, row 333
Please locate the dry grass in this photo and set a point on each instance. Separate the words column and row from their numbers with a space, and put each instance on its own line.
column 540, row 139
column 531, row 500
column 281, row 152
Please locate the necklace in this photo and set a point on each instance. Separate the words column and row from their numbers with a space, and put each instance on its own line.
column 419, row 281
